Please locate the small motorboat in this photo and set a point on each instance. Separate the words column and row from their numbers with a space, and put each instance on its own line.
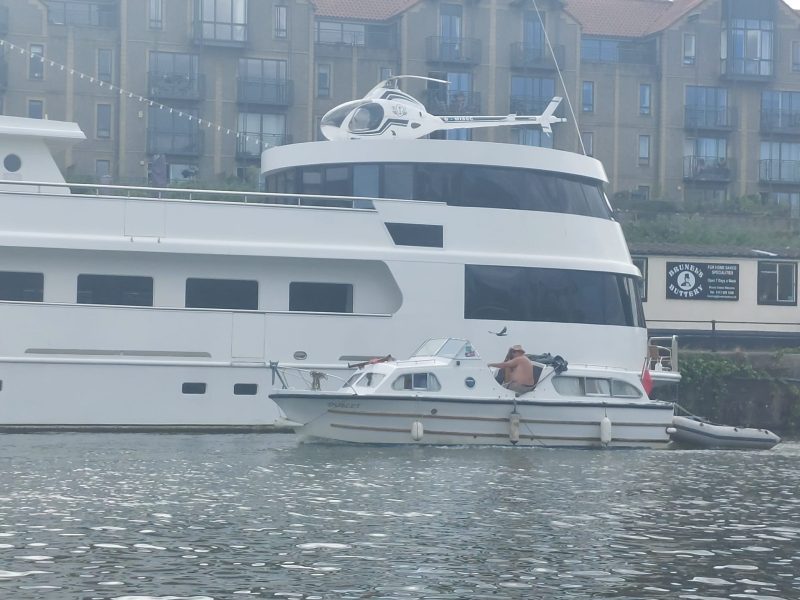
column 445, row 394
column 694, row 432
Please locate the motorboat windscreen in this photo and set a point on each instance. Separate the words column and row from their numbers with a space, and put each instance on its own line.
column 447, row 348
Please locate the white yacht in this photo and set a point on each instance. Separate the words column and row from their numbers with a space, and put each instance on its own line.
column 149, row 308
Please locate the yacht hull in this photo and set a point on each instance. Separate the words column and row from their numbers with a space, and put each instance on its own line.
column 490, row 421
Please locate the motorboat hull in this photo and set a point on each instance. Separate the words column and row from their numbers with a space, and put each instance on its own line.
column 696, row 433
column 488, row 421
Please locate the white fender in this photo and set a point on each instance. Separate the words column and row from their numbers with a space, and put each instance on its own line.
column 417, row 431
column 513, row 427
column 605, row 431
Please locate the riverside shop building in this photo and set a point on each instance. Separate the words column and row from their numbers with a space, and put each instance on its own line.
column 720, row 296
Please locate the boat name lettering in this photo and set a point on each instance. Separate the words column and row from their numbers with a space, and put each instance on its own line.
column 343, row 404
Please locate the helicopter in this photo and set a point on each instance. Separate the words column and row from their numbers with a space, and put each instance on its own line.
column 388, row 112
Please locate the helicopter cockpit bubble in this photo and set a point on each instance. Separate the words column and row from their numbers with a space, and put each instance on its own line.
column 366, row 118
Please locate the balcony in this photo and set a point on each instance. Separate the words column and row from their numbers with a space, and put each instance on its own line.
column 528, row 105
column 251, row 149
column 220, row 33
column 3, row 20
column 269, row 92
column 711, row 169
column 776, row 120
column 748, row 69
column 452, row 102
column 175, row 143
column 176, row 86
column 779, row 171
column 525, row 56
column 711, row 118
column 454, row 51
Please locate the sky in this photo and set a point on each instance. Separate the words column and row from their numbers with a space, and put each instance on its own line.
column 793, row 3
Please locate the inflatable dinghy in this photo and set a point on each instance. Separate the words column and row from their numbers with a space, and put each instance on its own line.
column 697, row 433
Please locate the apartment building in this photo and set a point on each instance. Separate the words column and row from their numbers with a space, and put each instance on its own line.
column 683, row 99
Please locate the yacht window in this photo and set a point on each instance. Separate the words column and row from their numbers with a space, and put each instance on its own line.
column 193, row 388
column 321, row 297
column 398, row 182
column 121, row 290
column 21, row 287
column 352, row 379
column 370, row 380
column 568, row 386
column 413, row 234
column 551, row 295
column 12, row 163
column 623, row 389
column 245, row 389
column 417, row 381
column 233, row 294
column 597, row 387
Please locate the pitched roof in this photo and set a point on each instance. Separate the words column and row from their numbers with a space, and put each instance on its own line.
column 619, row 18
column 678, row 10
column 362, row 10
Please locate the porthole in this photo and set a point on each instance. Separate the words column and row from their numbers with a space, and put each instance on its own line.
column 469, row 382
column 12, row 163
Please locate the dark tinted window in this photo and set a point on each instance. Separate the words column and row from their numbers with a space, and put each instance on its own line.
column 457, row 185
column 222, row 293
column 245, row 389
column 551, row 295
column 411, row 234
column 126, row 290
column 193, row 388
column 24, row 287
column 321, row 297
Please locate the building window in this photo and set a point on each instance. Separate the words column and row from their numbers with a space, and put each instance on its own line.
column 81, row 13
column 321, row 297
column 155, row 14
column 645, row 92
column 103, row 129
column 233, row 294
column 119, row 290
column 529, row 95
column 588, row 142
column 21, row 287
column 323, row 81
column 281, row 30
column 788, row 199
column 587, row 96
column 642, row 192
column 36, row 62
column 777, row 283
column 706, row 107
column 384, row 73
column 223, row 20
column 688, row 48
column 36, row 109
column 257, row 132
column 336, row 32
column 104, row 64
column 263, row 81
column 780, row 162
column 102, row 170
column 795, row 56
column 644, row 149
column 532, row 136
column 747, row 47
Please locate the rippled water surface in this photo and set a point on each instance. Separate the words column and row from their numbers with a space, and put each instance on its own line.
column 221, row 516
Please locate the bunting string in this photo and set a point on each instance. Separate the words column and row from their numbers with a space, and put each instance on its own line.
column 46, row 61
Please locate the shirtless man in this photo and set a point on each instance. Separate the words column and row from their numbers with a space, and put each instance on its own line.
column 517, row 371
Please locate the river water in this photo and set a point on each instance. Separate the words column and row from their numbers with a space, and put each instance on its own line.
column 226, row 516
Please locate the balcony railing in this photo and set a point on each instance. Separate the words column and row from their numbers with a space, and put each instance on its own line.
column 452, row 102
column 779, row 171
column 219, row 33
column 273, row 92
column 526, row 56
column 707, row 169
column 528, row 105
column 178, row 143
column 748, row 69
column 460, row 51
column 3, row 20
column 250, row 146
column 776, row 120
column 176, row 86
column 718, row 118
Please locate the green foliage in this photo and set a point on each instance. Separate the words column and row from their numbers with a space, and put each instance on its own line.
column 705, row 380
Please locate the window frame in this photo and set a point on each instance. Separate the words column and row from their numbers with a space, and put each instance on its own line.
column 641, row 263
column 102, row 74
column 280, row 16
column 645, row 99
column 777, row 264
column 105, row 132
column 36, row 62
column 588, row 136
column 588, row 87
column 324, row 69
column 33, row 101
column 644, row 153
column 689, row 49
column 155, row 14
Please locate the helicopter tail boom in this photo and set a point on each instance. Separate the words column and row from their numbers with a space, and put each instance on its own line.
column 545, row 120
